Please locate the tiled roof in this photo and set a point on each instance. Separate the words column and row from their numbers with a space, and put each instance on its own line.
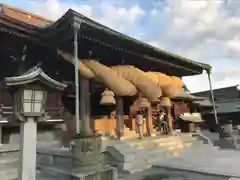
column 25, row 17
column 34, row 74
column 228, row 106
column 204, row 103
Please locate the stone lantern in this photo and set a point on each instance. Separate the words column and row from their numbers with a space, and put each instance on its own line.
column 30, row 91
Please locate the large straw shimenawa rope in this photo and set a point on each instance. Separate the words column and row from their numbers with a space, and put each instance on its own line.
column 125, row 80
column 83, row 70
column 93, row 69
column 170, row 85
column 116, row 83
column 143, row 83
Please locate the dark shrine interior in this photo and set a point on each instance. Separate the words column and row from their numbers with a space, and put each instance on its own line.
column 56, row 67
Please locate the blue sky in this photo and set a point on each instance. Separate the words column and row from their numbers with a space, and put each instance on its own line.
column 203, row 30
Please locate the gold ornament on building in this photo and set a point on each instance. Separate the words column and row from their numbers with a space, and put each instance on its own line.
column 107, row 98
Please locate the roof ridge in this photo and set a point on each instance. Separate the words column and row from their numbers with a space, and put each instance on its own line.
column 227, row 100
column 216, row 89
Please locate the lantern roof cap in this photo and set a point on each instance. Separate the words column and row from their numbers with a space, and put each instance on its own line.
column 32, row 75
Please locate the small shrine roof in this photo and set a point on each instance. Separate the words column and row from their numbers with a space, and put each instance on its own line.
column 34, row 74
column 195, row 117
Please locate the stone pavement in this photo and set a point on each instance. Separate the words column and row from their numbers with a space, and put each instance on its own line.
column 197, row 163
column 206, row 159
column 168, row 174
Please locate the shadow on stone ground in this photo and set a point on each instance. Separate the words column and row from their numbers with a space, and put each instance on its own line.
column 165, row 177
column 171, row 174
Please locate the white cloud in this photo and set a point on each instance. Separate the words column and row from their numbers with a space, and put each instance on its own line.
column 120, row 18
column 234, row 44
column 54, row 9
column 203, row 30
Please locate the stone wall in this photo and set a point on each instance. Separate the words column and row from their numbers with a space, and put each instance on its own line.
column 12, row 150
column 50, row 134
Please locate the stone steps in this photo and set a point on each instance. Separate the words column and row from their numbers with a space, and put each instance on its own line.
column 134, row 155
column 54, row 173
column 41, row 176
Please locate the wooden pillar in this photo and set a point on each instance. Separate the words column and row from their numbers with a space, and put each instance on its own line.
column 149, row 122
column 169, row 119
column 85, row 127
column 119, row 115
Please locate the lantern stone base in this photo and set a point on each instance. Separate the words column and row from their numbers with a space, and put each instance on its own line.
column 85, row 161
column 87, row 153
column 88, row 159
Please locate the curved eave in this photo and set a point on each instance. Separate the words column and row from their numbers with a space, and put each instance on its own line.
column 71, row 17
column 82, row 19
column 36, row 75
